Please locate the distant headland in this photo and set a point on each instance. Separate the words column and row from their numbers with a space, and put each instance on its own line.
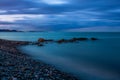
column 9, row 30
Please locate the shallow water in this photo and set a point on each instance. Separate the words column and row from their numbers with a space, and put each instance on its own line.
column 88, row 60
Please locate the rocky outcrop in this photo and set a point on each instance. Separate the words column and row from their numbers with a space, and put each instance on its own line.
column 44, row 40
column 41, row 40
column 79, row 39
column 61, row 41
column 40, row 45
column 93, row 38
column 71, row 40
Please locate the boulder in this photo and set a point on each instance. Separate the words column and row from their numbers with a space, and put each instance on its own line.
column 40, row 45
column 49, row 40
column 81, row 39
column 72, row 40
column 61, row 41
column 93, row 38
column 41, row 40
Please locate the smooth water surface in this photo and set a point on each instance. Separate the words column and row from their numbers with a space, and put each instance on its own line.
column 88, row 60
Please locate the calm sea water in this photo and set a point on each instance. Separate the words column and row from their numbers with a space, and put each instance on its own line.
column 88, row 60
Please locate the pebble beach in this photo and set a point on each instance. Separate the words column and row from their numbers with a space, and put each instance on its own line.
column 15, row 65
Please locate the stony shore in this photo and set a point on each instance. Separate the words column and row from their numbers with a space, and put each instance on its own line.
column 15, row 65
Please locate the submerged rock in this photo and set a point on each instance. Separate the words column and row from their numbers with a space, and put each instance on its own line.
column 44, row 40
column 65, row 40
column 71, row 40
column 40, row 45
column 49, row 40
column 82, row 39
column 61, row 41
column 93, row 38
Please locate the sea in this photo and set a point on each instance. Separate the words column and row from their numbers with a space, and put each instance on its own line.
column 87, row 60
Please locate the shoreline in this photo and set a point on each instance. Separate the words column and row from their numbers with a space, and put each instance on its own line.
column 15, row 65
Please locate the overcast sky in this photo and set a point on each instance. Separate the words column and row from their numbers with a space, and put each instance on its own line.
column 60, row 15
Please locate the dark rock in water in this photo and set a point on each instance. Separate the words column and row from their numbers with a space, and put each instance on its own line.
column 49, row 40
column 44, row 40
column 81, row 39
column 33, row 43
column 93, row 38
column 78, row 39
column 41, row 40
column 61, row 41
column 73, row 40
column 40, row 45
column 64, row 40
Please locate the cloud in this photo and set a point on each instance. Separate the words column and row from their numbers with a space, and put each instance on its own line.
column 17, row 17
column 55, row 2
column 96, row 29
column 18, row 27
column 56, row 6
column 60, row 14
column 3, row 11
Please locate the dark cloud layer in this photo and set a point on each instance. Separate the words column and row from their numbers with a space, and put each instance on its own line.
column 23, row 6
column 60, row 14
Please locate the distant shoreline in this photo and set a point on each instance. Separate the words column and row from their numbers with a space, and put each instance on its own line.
column 12, row 58
column 8, row 30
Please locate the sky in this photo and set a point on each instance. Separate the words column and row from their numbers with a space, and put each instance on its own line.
column 60, row 15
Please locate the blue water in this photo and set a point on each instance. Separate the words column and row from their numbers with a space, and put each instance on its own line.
column 88, row 60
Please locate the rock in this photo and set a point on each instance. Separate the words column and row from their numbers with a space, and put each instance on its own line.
column 81, row 39
column 93, row 38
column 41, row 40
column 33, row 43
column 49, row 40
column 40, row 45
column 73, row 40
column 14, row 78
column 61, row 41
column 77, row 39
